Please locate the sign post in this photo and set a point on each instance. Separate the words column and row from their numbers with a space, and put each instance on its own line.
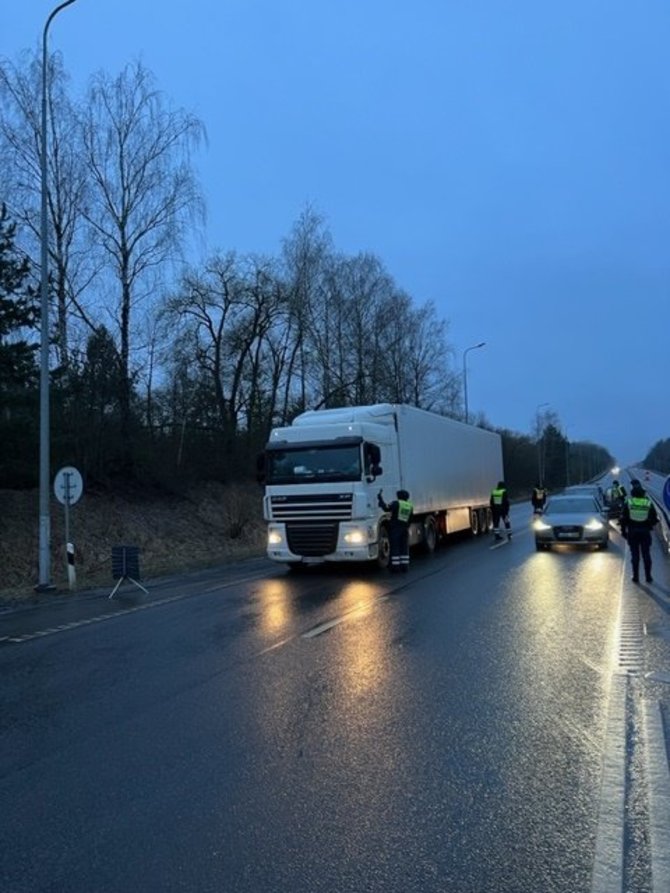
column 68, row 487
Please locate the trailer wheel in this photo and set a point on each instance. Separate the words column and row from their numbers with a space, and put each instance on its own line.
column 474, row 522
column 384, row 548
column 484, row 517
column 429, row 535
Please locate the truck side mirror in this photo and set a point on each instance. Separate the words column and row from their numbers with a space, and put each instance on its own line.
column 373, row 456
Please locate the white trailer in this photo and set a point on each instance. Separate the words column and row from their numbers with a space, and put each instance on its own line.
column 322, row 475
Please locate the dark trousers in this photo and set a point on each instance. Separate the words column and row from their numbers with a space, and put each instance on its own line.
column 399, row 544
column 497, row 513
column 640, row 541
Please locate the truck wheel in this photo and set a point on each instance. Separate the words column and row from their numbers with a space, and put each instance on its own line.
column 484, row 526
column 474, row 522
column 429, row 535
column 384, row 548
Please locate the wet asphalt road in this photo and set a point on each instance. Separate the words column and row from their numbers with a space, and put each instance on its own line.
column 247, row 729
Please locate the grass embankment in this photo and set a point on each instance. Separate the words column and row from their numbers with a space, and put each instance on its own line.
column 205, row 526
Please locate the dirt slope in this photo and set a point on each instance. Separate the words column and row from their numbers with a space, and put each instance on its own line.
column 206, row 525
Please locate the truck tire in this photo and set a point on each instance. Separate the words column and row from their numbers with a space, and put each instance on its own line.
column 474, row 522
column 484, row 521
column 429, row 543
column 384, row 548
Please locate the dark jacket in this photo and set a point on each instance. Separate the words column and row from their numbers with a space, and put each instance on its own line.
column 393, row 508
column 636, row 501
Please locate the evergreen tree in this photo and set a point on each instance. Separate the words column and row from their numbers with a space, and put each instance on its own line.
column 19, row 371
column 19, row 313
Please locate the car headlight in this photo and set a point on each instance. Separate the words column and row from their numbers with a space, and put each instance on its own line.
column 274, row 538
column 594, row 524
column 539, row 524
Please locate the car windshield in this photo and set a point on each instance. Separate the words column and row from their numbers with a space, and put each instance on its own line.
column 571, row 505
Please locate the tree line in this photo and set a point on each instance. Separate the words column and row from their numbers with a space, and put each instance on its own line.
column 164, row 372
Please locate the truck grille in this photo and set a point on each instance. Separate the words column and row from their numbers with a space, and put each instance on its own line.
column 312, row 540
column 312, row 507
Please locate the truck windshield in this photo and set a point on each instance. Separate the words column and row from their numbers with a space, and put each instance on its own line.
column 322, row 463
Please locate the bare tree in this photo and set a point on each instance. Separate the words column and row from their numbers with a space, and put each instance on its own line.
column 143, row 191
column 20, row 156
column 305, row 256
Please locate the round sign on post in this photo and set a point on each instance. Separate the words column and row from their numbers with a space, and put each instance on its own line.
column 68, row 485
column 666, row 494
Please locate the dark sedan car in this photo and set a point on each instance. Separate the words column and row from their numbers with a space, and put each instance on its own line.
column 572, row 519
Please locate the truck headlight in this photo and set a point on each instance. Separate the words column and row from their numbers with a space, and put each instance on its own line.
column 274, row 538
column 355, row 537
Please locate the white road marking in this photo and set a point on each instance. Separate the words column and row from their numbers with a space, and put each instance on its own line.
column 607, row 874
column 358, row 611
column 658, row 779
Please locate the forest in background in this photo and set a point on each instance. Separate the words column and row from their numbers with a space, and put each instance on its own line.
column 163, row 373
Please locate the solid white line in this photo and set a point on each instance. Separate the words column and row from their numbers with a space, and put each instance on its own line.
column 658, row 778
column 608, row 862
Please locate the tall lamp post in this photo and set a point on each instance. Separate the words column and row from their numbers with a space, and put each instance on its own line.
column 540, row 441
column 465, row 376
column 45, row 520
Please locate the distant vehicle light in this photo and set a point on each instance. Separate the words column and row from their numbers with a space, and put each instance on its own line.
column 616, row 469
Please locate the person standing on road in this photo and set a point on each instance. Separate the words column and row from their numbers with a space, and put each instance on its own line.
column 401, row 514
column 499, row 503
column 538, row 498
column 617, row 497
column 638, row 517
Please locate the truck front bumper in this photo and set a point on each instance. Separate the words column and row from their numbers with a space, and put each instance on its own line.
column 355, row 542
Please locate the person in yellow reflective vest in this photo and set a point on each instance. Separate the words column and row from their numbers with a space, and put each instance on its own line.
column 400, row 510
column 638, row 518
column 499, row 503
column 617, row 495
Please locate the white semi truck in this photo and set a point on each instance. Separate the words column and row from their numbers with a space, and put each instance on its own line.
column 322, row 475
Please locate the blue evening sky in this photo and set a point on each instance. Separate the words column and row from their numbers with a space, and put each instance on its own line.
column 509, row 161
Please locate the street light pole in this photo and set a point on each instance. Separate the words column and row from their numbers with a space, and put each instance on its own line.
column 540, row 441
column 45, row 519
column 465, row 376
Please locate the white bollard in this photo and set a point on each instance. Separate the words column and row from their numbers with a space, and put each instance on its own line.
column 71, row 573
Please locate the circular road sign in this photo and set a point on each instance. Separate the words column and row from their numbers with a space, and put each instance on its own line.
column 68, row 485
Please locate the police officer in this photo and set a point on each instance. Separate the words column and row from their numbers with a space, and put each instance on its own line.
column 499, row 503
column 401, row 514
column 638, row 518
column 538, row 498
column 618, row 495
